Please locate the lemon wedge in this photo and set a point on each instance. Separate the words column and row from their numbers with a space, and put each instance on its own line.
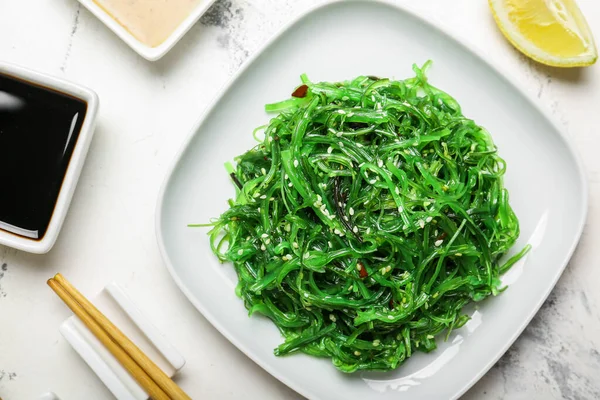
column 553, row 32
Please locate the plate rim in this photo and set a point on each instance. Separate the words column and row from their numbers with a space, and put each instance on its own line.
column 478, row 52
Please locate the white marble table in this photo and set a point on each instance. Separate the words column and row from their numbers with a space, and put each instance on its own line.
column 146, row 111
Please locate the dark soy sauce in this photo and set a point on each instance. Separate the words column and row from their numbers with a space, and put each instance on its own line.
column 38, row 131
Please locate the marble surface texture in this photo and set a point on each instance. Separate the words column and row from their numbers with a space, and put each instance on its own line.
column 146, row 111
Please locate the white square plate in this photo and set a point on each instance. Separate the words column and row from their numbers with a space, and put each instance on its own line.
column 149, row 53
column 340, row 41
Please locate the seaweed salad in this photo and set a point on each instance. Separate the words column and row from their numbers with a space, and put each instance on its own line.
column 370, row 213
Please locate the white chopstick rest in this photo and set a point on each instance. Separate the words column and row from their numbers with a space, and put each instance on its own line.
column 114, row 303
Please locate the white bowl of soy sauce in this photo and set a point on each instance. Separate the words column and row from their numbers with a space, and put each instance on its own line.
column 46, row 126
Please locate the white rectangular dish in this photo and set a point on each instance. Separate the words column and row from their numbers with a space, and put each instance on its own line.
column 340, row 41
column 149, row 53
column 10, row 235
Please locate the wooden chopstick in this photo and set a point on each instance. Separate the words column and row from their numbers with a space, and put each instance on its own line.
column 167, row 389
column 127, row 362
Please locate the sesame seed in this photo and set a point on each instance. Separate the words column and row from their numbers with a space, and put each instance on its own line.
column 263, row 247
column 422, row 223
column 264, row 171
column 349, row 289
column 357, row 353
column 267, row 241
column 286, row 176
column 296, row 163
column 287, row 227
column 351, row 211
column 264, row 236
column 339, row 134
column 400, row 209
column 372, row 181
column 436, row 294
column 342, row 112
column 359, row 145
column 295, row 245
column 355, row 229
column 240, row 252
column 258, row 209
column 332, row 317
column 359, row 266
column 376, row 342
column 379, row 163
column 346, row 218
column 438, row 243
column 305, row 294
column 308, row 308
column 272, row 198
column 340, row 204
column 290, row 184
column 430, row 336
column 336, row 231
column 368, row 231
column 426, row 203
column 256, row 194
column 435, row 232
column 458, row 254
column 388, row 268
column 329, row 149
column 341, row 144
column 331, row 130
column 345, row 98
column 390, row 317
column 397, row 190
column 382, row 271
column 428, row 219
column 264, row 196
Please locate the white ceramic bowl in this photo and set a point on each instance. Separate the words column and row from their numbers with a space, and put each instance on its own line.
column 80, row 150
column 149, row 53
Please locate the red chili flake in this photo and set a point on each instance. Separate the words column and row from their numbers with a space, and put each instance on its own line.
column 442, row 236
column 266, row 158
column 363, row 272
column 391, row 303
column 300, row 91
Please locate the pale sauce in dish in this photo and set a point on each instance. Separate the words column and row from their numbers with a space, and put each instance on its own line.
column 149, row 21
